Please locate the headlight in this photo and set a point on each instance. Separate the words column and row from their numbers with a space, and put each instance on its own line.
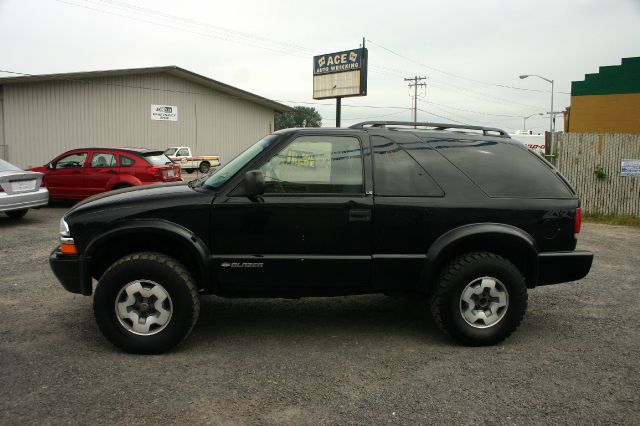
column 64, row 228
column 67, row 245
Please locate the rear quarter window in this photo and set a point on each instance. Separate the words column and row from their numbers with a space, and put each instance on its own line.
column 126, row 161
column 502, row 169
column 158, row 159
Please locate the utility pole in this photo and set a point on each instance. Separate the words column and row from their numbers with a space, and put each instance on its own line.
column 415, row 86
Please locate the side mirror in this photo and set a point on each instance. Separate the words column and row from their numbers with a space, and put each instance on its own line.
column 50, row 165
column 253, row 184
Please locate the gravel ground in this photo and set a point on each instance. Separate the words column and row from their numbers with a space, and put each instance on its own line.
column 350, row 360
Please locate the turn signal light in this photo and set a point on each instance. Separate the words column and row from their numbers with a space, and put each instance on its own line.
column 577, row 222
column 68, row 248
column 154, row 171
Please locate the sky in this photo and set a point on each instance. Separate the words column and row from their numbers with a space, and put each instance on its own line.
column 468, row 50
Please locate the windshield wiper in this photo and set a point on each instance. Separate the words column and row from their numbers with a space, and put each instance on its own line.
column 197, row 183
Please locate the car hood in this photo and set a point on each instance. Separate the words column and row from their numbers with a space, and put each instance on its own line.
column 149, row 201
column 135, row 193
column 177, row 203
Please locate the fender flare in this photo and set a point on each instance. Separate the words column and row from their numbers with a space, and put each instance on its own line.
column 453, row 241
column 126, row 179
column 177, row 234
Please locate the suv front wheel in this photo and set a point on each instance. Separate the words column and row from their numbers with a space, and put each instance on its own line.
column 146, row 303
column 480, row 299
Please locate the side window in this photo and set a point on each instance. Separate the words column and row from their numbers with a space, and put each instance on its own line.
column 397, row 174
column 316, row 165
column 71, row 161
column 103, row 159
column 182, row 152
column 126, row 161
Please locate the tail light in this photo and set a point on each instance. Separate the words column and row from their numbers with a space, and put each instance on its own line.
column 577, row 221
column 154, row 171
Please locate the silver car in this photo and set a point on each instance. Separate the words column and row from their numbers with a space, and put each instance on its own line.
column 20, row 190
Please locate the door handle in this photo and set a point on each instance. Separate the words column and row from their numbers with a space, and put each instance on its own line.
column 76, row 172
column 111, row 171
column 360, row 215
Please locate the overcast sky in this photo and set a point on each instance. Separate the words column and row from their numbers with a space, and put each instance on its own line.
column 467, row 49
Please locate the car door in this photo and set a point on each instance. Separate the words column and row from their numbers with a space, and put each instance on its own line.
column 100, row 172
column 310, row 231
column 182, row 156
column 65, row 179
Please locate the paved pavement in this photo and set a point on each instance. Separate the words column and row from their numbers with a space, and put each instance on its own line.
column 350, row 360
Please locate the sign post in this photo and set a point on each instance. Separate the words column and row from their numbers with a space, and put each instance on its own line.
column 339, row 75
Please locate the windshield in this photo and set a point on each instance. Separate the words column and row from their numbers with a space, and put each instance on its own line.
column 158, row 159
column 224, row 173
column 8, row 167
column 170, row 151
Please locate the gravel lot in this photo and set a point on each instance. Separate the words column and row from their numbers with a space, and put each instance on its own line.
column 351, row 360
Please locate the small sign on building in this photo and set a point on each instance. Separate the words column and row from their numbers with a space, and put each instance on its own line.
column 630, row 168
column 164, row 112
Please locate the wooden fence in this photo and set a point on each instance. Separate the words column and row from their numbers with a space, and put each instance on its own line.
column 592, row 163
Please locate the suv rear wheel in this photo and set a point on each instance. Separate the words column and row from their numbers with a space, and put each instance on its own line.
column 204, row 167
column 480, row 299
column 146, row 303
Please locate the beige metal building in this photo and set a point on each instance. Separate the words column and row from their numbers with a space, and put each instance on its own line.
column 44, row 115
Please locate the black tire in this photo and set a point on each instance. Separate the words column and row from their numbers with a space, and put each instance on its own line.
column 204, row 167
column 121, row 186
column 447, row 306
column 164, row 271
column 17, row 214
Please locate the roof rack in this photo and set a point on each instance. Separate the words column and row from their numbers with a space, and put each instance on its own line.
column 434, row 126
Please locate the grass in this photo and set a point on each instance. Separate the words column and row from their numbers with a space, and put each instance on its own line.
column 612, row 219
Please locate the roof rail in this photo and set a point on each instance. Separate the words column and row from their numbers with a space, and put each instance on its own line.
column 434, row 126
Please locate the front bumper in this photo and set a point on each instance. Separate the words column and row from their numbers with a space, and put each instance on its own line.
column 563, row 266
column 72, row 271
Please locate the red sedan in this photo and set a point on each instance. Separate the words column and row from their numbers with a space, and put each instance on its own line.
column 80, row 173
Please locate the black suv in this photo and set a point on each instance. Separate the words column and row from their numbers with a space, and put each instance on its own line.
column 461, row 214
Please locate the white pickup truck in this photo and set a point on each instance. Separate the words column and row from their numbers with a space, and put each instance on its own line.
column 182, row 155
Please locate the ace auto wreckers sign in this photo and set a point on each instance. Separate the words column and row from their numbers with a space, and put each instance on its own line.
column 164, row 112
column 348, row 60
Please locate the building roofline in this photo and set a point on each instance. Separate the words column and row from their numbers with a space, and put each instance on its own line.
column 170, row 69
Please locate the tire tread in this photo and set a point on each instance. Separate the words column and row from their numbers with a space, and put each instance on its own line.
column 172, row 264
column 444, row 283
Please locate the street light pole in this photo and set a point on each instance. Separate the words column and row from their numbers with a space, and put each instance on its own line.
column 524, row 124
column 552, row 121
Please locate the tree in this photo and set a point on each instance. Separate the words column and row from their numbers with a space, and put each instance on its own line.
column 300, row 117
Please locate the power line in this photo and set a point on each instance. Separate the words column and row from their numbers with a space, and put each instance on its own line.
column 505, row 86
column 457, row 116
column 128, row 7
column 471, row 111
column 475, row 94
column 173, row 27
column 441, row 116
column 265, row 43
column 55, row 77
column 402, row 109
column 366, row 118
